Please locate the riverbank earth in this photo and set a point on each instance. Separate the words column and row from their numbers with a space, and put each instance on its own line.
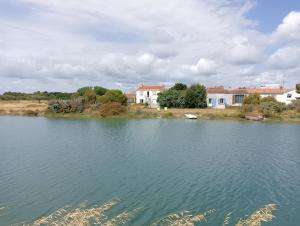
column 40, row 108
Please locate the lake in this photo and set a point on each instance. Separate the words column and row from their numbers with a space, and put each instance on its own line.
column 148, row 172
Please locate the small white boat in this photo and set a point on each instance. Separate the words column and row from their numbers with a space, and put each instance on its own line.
column 191, row 116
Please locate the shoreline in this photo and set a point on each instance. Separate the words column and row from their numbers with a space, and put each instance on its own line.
column 39, row 109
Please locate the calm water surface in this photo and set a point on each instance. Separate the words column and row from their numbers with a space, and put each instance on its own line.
column 148, row 169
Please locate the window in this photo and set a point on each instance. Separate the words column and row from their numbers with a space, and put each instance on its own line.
column 148, row 93
column 221, row 101
column 209, row 100
column 238, row 99
column 289, row 95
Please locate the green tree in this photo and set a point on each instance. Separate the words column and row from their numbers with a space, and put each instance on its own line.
column 113, row 96
column 195, row 97
column 179, row 86
column 81, row 91
column 100, row 91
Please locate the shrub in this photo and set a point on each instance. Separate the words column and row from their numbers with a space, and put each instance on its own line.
column 66, row 106
column 268, row 99
column 90, row 96
column 295, row 105
column 100, row 91
column 246, row 108
column 252, row 99
column 111, row 109
column 270, row 108
column 168, row 115
column 113, row 96
column 298, row 88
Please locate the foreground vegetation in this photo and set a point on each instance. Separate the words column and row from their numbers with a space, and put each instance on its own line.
column 268, row 107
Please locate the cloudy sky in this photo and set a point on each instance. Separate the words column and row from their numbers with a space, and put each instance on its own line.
column 60, row 45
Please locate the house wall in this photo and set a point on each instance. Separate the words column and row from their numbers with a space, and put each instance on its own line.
column 151, row 100
column 288, row 97
column 227, row 97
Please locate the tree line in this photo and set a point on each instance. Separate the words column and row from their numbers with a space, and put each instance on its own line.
column 106, row 102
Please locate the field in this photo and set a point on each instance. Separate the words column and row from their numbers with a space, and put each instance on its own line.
column 23, row 107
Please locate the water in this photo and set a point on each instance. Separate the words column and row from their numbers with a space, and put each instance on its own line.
column 141, row 171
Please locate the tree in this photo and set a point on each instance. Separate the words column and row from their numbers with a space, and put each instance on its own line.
column 254, row 99
column 100, row 91
column 196, row 97
column 171, row 98
column 113, row 96
column 90, row 96
column 82, row 90
column 193, row 97
column 179, row 86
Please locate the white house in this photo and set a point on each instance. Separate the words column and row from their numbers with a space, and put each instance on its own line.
column 280, row 94
column 218, row 97
column 148, row 95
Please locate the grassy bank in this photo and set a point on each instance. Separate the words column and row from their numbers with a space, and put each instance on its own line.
column 23, row 107
column 39, row 108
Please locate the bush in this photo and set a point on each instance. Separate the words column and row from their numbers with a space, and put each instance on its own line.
column 270, row 108
column 295, row 105
column 90, row 96
column 66, row 106
column 268, row 99
column 247, row 108
column 100, row 91
column 113, row 96
column 111, row 109
column 252, row 99
column 298, row 88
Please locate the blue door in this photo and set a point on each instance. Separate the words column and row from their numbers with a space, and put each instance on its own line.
column 214, row 102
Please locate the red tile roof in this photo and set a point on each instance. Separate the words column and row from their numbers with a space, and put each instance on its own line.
column 221, row 90
column 268, row 90
column 144, row 88
column 131, row 95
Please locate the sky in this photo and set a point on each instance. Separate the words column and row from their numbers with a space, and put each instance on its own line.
column 63, row 45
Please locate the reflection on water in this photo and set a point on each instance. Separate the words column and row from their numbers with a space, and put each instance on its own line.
column 97, row 215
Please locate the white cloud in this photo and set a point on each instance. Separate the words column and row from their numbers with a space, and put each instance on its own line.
column 204, row 67
column 289, row 28
column 285, row 58
column 112, row 42
column 241, row 51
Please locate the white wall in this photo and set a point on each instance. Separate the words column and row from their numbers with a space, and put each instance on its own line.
column 151, row 100
column 288, row 97
column 227, row 97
